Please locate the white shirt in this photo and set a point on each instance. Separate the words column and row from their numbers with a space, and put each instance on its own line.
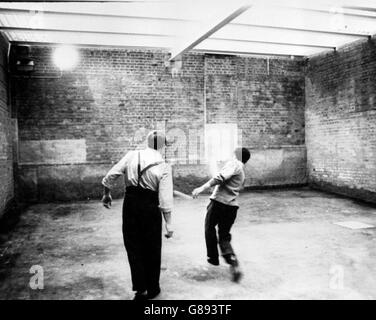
column 157, row 178
column 229, row 181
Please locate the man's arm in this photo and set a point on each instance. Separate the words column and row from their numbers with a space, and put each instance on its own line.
column 116, row 171
column 212, row 182
column 165, row 194
column 226, row 173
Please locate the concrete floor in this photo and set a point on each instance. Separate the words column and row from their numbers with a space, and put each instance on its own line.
column 286, row 241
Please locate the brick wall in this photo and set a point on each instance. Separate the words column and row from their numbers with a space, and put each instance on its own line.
column 74, row 126
column 6, row 153
column 341, row 120
column 265, row 99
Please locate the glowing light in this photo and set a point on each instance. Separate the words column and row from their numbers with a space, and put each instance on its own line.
column 66, row 57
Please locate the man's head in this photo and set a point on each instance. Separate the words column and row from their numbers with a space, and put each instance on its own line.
column 156, row 140
column 242, row 154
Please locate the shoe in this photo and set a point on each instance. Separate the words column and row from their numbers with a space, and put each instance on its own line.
column 153, row 293
column 235, row 273
column 140, row 296
column 231, row 260
column 214, row 262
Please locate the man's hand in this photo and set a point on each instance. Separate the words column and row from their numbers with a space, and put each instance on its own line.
column 169, row 231
column 196, row 192
column 107, row 200
column 167, row 218
column 204, row 187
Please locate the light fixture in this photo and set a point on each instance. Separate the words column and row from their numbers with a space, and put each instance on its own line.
column 65, row 57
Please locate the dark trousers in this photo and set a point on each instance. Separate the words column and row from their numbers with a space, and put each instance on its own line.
column 142, row 233
column 223, row 216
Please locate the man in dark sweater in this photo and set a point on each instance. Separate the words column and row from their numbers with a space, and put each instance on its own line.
column 222, row 210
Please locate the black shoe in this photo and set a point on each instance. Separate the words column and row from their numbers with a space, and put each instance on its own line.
column 153, row 293
column 140, row 296
column 231, row 260
column 235, row 273
column 213, row 261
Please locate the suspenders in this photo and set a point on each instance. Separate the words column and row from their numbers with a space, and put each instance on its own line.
column 141, row 172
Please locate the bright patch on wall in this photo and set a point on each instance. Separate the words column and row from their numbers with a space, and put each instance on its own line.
column 66, row 57
column 221, row 139
column 66, row 151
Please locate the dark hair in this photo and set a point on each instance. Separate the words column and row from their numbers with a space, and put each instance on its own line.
column 242, row 154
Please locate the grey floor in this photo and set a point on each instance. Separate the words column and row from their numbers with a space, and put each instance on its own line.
column 286, row 240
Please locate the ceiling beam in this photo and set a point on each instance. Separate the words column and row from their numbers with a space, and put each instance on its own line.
column 266, row 48
column 326, row 5
column 353, row 12
column 246, row 53
column 116, row 46
column 85, row 45
column 8, row 28
column 211, row 28
column 343, row 33
column 87, row 14
column 274, row 42
column 373, row 10
column 330, row 8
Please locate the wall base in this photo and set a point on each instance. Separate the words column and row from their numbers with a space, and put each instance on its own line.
column 357, row 194
column 10, row 218
column 71, row 182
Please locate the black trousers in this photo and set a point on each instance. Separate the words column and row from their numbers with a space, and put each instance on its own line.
column 223, row 216
column 142, row 233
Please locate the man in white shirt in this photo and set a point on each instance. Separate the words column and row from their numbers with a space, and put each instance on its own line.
column 149, row 191
column 222, row 209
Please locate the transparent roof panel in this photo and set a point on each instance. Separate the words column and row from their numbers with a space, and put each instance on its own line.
column 331, row 20
column 288, row 27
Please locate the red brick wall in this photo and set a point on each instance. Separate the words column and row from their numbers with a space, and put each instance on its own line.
column 73, row 127
column 6, row 153
column 341, row 120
